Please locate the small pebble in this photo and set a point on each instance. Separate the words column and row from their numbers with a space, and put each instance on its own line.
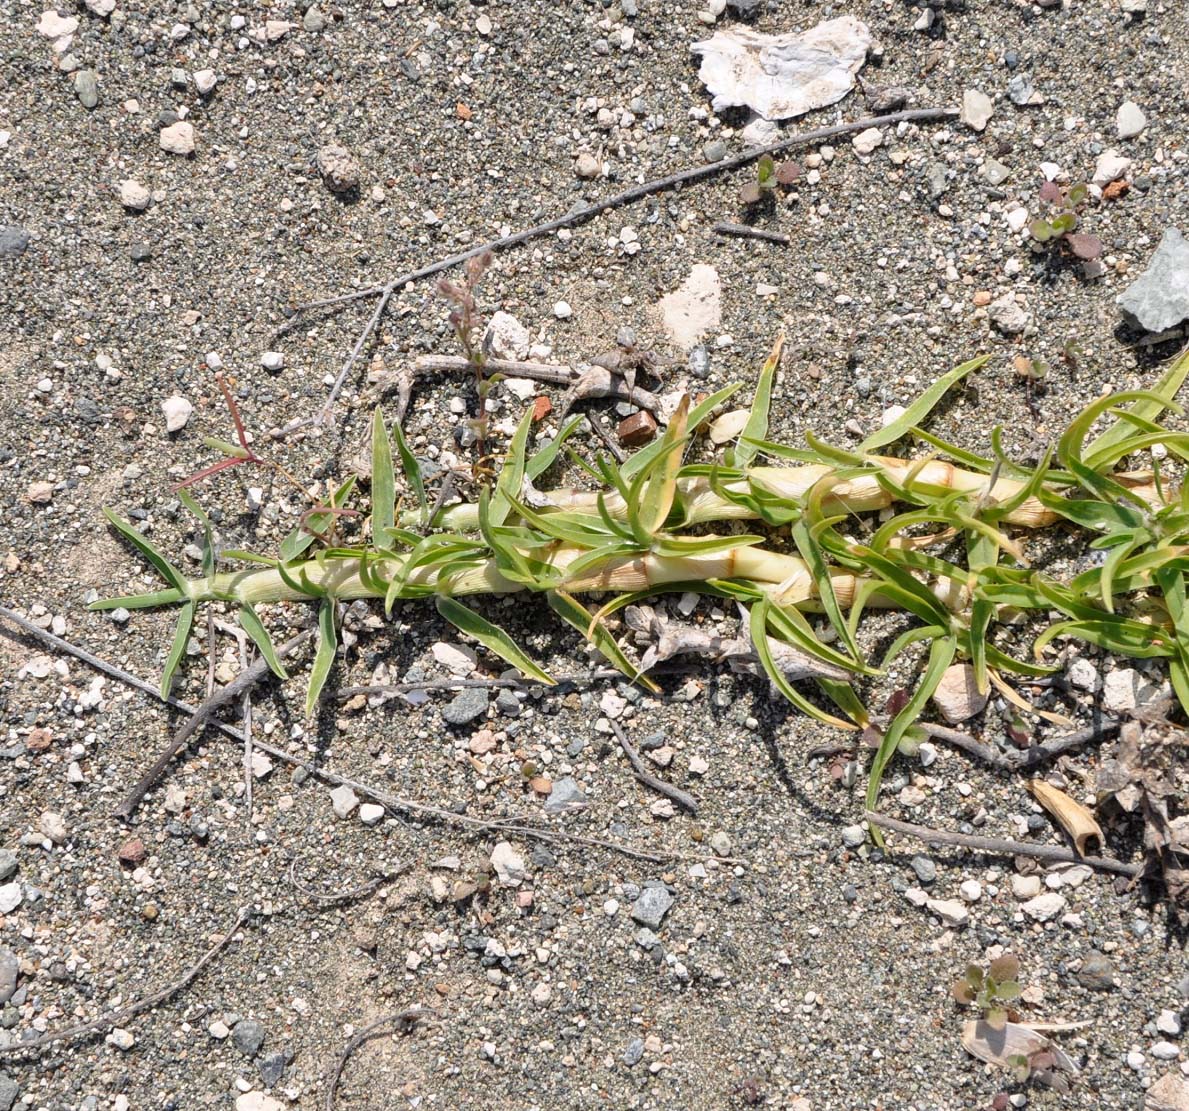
column 371, row 813
column 273, row 360
column 562, row 310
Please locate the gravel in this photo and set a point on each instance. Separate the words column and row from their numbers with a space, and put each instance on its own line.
column 896, row 257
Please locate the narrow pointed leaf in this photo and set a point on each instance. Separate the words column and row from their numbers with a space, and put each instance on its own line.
column 574, row 613
column 166, row 569
column 492, row 637
column 324, row 657
column 920, row 408
column 254, row 627
column 383, row 478
column 756, row 428
column 178, row 648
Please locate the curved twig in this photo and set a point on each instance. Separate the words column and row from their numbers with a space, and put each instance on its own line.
column 404, row 1021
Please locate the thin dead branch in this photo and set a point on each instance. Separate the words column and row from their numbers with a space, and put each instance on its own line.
column 350, row 894
column 746, row 231
column 404, row 1022
column 1022, row 758
column 682, row 798
column 554, row 374
column 117, row 1018
column 999, row 847
column 244, row 681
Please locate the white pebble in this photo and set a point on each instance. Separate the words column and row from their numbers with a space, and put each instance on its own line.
column 562, row 310
column 177, row 411
column 272, row 360
column 134, row 195
column 371, row 813
column 971, row 891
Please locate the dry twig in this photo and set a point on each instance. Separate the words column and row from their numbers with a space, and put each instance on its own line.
column 116, row 1018
column 746, row 231
column 351, row 893
column 404, row 1021
column 244, row 681
column 682, row 798
column 1053, row 853
column 1025, row 757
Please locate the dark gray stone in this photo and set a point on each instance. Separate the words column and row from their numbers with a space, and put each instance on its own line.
column 248, row 1036
column 13, row 241
column 272, row 1067
column 465, row 706
column 8, row 865
column 1159, row 298
column 1097, row 973
column 9, row 1090
column 925, row 869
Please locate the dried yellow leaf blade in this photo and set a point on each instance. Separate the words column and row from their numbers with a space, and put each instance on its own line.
column 1072, row 816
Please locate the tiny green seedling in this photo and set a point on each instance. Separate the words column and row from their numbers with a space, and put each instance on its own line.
column 1060, row 226
column 769, row 175
column 992, row 989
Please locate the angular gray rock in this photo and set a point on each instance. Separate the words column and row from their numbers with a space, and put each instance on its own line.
column 248, row 1036
column 652, row 905
column 1159, row 298
column 13, row 241
column 10, row 967
column 9, row 1090
column 465, row 706
column 565, row 797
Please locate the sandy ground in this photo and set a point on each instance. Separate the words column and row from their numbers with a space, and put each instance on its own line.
column 800, row 977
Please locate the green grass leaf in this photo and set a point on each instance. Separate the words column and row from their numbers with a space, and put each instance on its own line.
column 492, row 637
column 634, row 464
column 324, row 657
column 655, row 487
column 383, row 478
column 254, row 627
column 941, row 655
column 166, row 569
column 1159, row 398
column 540, row 462
column 756, row 428
column 139, row 601
column 208, row 541
column 759, row 638
column 920, row 408
column 412, row 471
column 178, row 648
column 511, row 477
column 570, row 610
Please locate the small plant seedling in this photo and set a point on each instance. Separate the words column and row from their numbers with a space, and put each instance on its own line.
column 768, row 176
column 1061, row 225
column 991, row 989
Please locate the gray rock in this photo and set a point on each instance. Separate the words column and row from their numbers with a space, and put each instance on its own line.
column 715, row 150
column 1159, row 298
column 1021, row 91
column 9, row 1090
column 937, row 179
column 10, row 967
column 925, row 869
column 340, row 172
column 272, row 1068
column 1008, row 315
column 313, row 21
column 10, row 897
column 853, row 836
column 248, row 1036
column 1097, row 973
column 465, row 706
column 86, row 87
column 634, row 1052
column 508, row 704
column 566, row 796
column 652, row 905
column 8, row 865
column 13, row 241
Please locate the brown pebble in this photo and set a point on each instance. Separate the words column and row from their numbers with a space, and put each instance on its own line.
column 149, row 912
column 637, row 429
column 132, row 852
column 982, row 297
column 39, row 740
column 542, row 407
column 542, row 784
column 814, row 371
